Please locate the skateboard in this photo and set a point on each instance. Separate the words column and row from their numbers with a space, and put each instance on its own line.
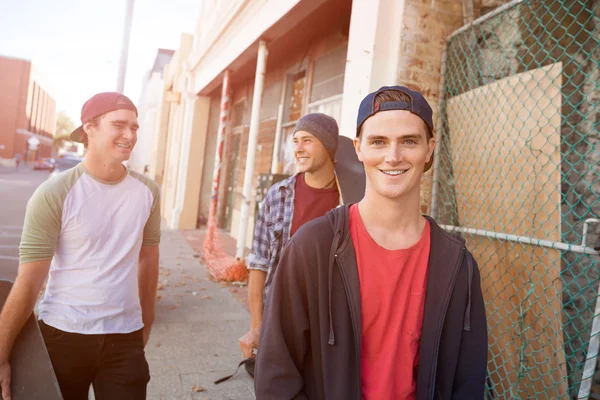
column 31, row 369
column 349, row 171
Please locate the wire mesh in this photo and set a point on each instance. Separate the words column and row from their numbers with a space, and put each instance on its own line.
column 519, row 158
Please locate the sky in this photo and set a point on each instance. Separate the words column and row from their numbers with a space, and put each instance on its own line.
column 76, row 44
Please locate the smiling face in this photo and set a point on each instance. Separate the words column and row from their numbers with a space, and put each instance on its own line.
column 309, row 152
column 394, row 148
column 113, row 136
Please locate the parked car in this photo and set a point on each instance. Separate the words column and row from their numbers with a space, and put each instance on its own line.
column 64, row 163
column 44, row 164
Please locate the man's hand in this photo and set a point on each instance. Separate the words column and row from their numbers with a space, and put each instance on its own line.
column 249, row 342
column 256, row 286
column 5, row 380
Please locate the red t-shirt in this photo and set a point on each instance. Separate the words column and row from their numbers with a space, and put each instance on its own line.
column 311, row 203
column 392, row 290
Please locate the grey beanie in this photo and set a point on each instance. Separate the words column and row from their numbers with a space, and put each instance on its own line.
column 323, row 127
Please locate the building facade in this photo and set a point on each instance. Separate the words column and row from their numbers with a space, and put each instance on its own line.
column 319, row 56
column 27, row 112
column 149, row 108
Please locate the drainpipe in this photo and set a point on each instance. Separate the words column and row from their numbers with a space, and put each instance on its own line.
column 261, row 66
column 214, row 196
column 276, row 162
column 277, row 144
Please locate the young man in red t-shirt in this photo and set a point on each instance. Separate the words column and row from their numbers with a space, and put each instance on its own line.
column 288, row 205
column 375, row 301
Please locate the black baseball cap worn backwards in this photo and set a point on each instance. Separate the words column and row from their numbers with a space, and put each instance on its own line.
column 418, row 106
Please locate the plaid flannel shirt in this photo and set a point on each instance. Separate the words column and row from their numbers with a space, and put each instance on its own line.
column 272, row 230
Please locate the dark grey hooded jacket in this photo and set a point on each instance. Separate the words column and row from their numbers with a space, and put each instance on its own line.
column 310, row 342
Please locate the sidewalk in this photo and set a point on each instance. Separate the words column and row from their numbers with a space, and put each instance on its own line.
column 195, row 336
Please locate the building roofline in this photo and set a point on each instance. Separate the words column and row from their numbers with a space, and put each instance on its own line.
column 14, row 58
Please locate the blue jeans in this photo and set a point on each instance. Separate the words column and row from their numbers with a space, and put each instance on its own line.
column 114, row 364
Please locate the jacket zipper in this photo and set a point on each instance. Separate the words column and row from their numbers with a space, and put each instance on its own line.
column 438, row 333
column 354, row 328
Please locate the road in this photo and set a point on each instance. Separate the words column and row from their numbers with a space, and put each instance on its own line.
column 16, row 187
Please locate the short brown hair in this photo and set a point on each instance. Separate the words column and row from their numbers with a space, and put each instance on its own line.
column 392, row 95
column 396, row 95
column 94, row 122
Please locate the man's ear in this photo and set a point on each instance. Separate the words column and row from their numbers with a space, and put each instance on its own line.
column 356, row 143
column 431, row 148
column 430, row 154
column 88, row 128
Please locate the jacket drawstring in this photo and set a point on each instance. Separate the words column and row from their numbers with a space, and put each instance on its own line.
column 467, row 325
column 331, row 333
column 332, row 258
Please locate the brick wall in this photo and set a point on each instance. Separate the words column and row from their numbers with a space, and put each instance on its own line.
column 21, row 108
column 426, row 28
column 13, row 86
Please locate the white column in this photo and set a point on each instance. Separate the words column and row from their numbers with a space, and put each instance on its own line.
column 373, row 54
column 184, row 156
column 261, row 66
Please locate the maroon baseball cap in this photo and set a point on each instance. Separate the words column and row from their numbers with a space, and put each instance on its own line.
column 100, row 104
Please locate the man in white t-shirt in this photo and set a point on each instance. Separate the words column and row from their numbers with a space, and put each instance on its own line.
column 94, row 232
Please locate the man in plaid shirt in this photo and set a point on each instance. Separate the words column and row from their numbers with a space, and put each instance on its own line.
column 288, row 205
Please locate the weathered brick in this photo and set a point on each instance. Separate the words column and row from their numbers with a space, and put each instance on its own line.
column 429, row 51
column 427, row 25
column 445, row 6
column 407, row 47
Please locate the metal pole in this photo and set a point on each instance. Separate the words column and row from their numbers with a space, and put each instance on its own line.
column 261, row 65
column 125, row 47
column 585, row 387
column 214, row 197
column 523, row 240
column 586, row 224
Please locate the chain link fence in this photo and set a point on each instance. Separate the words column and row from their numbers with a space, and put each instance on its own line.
column 518, row 175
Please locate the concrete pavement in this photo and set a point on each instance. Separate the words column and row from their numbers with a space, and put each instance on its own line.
column 195, row 336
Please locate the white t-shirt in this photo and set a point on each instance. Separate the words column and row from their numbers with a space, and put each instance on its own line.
column 93, row 232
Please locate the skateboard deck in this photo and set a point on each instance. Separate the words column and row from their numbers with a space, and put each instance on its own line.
column 31, row 368
column 349, row 171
